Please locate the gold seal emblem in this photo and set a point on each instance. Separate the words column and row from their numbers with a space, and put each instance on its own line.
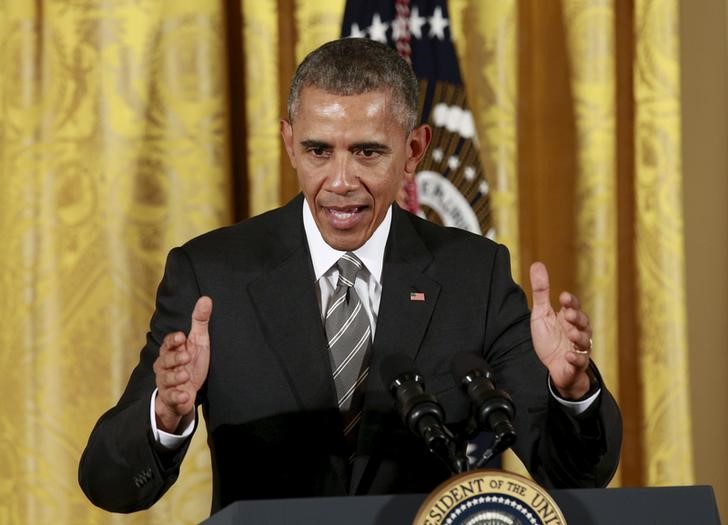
column 489, row 497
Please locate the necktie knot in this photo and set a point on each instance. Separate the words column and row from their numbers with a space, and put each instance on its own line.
column 348, row 266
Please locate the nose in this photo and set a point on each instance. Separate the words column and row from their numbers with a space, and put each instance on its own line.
column 343, row 178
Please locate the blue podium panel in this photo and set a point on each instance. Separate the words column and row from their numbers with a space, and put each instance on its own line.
column 352, row 510
column 625, row 506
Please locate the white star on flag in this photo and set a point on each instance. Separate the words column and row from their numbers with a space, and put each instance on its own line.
column 438, row 24
column 356, row 32
column 378, row 29
column 416, row 22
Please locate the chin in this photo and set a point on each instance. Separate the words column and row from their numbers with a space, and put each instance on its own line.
column 344, row 244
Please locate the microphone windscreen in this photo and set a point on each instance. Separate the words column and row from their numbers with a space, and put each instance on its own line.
column 465, row 362
column 394, row 365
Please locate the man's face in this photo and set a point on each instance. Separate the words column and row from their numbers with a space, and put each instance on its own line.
column 351, row 155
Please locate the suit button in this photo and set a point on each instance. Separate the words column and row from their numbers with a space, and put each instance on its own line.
column 143, row 477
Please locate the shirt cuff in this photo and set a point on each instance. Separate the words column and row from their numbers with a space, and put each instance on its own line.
column 167, row 440
column 575, row 407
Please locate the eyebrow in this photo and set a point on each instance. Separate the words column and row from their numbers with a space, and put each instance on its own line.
column 315, row 144
column 376, row 146
column 358, row 146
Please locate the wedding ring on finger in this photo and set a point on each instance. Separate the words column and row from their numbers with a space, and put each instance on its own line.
column 578, row 350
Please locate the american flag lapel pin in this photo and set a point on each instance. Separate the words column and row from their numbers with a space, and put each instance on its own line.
column 417, row 296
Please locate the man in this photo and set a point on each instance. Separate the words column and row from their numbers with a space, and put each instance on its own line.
column 282, row 419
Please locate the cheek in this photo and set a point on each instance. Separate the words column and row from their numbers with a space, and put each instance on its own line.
column 309, row 182
column 385, row 194
column 394, row 183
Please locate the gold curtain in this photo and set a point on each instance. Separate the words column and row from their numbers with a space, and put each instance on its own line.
column 563, row 131
column 113, row 149
column 590, row 41
column 600, row 183
column 485, row 37
column 115, row 145
column 262, row 78
column 660, row 257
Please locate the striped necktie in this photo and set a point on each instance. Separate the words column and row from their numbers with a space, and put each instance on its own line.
column 349, row 338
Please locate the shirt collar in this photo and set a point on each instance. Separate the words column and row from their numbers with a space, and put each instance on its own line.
column 324, row 256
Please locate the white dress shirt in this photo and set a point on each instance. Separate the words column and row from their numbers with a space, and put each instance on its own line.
column 368, row 284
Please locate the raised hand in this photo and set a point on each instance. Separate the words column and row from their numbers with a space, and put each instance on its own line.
column 181, row 369
column 562, row 340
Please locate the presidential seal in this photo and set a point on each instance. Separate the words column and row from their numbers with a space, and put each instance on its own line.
column 438, row 196
column 489, row 497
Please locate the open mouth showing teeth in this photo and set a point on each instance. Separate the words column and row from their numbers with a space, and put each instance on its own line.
column 344, row 214
column 344, row 218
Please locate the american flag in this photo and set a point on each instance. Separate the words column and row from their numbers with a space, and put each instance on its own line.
column 450, row 186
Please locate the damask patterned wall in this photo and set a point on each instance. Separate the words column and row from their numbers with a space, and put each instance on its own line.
column 113, row 149
column 660, row 244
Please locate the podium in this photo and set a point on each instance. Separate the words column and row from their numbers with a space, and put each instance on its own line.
column 625, row 506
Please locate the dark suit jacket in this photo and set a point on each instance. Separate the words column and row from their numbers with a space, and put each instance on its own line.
column 269, row 400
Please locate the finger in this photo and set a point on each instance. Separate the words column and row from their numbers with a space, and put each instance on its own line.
column 172, row 341
column 576, row 318
column 172, row 378
column 580, row 340
column 173, row 398
column 180, row 397
column 201, row 316
column 540, row 285
column 569, row 300
column 170, row 406
column 580, row 361
column 173, row 358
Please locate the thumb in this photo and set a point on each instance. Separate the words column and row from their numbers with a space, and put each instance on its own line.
column 201, row 315
column 540, row 285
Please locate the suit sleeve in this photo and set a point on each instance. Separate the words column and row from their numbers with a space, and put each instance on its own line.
column 560, row 450
column 122, row 469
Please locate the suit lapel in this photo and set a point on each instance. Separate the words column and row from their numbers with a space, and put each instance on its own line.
column 409, row 296
column 408, row 300
column 288, row 312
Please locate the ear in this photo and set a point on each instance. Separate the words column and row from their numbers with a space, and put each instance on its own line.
column 417, row 142
column 287, row 136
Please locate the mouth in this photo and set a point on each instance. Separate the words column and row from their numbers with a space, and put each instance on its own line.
column 344, row 217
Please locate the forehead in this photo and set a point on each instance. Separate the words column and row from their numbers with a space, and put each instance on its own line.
column 317, row 103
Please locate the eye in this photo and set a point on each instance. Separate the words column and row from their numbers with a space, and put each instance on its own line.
column 318, row 151
column 368, row 152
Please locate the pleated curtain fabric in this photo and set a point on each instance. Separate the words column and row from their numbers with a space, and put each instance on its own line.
column 349, row 338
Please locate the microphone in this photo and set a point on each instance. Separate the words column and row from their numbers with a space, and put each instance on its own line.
column 492, row 409
column 421, row 412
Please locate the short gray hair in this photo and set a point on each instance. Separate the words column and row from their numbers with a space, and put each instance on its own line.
column 352, row 66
